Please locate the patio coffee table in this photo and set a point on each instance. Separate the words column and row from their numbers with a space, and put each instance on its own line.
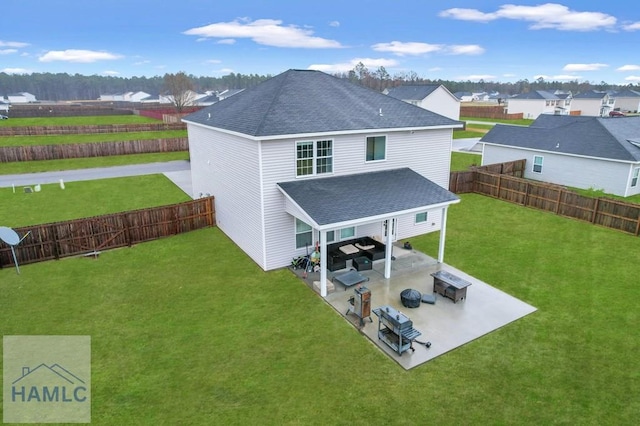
column 350, row 278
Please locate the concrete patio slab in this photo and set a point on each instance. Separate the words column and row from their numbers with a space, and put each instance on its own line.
column 445, row 324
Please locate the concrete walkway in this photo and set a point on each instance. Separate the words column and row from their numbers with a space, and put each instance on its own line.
column 179, row 172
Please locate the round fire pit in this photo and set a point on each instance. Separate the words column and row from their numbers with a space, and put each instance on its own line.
column 410, row 298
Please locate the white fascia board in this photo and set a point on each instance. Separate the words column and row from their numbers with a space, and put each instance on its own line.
column 323, row 134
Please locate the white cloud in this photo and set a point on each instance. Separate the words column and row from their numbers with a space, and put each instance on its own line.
column 7, row 51
column 584, row 67
column 467, row 15
column 407, row 48
column 268, row 32
column 213, row 61
column 434, row 69
column 334, row 24
column 227, row 41
column 549, row 15
column 16, row 71
column 465, row 49
column 16, row 44
column 110, row 72
column 143, row 62
column 635, row 26
column 559, row 77
column 509, row 75
column 628, row 68
column 77, row 55
column 371, row 64
column 633, row 78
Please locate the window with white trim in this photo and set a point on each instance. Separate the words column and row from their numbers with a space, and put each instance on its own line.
column 376, row 148
column 346, row 233
column 304, row 234
column 634, row 178
column 537, row 163
column 421, row 217
column 314, row 157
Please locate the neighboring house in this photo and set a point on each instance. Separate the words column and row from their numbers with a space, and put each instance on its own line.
column 464, row 96
column 593, row 103
column 601, row 153
column 136, row 96
column 480, row 96
column 533, row 104
column 112, row 97
column 628, row 100
column 4, row 106
column 207, row 100
column 306, row 157
column 434, row 97
column 21, row 98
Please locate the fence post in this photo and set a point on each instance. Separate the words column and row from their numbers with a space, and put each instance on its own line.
column 558, row 200
column 595, row 210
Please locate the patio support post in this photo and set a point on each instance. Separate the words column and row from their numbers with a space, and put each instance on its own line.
column 443, row 234
column 388, row 254
column 323, row 263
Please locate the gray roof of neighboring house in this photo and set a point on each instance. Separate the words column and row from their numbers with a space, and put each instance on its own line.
column 627, row 93
column 611, row 138
column 536, row 94
column 590, row 94
column 305, row 101
column 365, row 195
column 415, row 92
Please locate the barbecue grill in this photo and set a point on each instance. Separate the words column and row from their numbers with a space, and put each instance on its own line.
column 395, row 329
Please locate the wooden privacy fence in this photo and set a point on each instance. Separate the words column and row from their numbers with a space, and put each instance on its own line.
column 463, row 182
column 91, row 235
column 92, row 149
column 606, row 212
column 99, row 128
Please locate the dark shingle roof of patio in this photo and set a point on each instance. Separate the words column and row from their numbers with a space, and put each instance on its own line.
column 610, row 138
column 351, row 197
column 304, row 101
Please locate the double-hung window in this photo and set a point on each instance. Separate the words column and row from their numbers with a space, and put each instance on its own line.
column 376, row 148
column 314, row 157
column 634, row 178
column 304, row 234
column 537, row 163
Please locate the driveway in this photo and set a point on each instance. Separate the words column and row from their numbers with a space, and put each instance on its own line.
column 179, row 172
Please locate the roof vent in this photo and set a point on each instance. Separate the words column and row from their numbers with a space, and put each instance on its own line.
column 380, row 112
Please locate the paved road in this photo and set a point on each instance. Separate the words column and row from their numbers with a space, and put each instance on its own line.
column 177, row 171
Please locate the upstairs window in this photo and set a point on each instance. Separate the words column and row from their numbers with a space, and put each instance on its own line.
column 314, row 157
column 376, row 148
column 537, row 164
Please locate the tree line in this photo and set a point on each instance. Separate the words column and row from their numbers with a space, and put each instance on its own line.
column 63, row 86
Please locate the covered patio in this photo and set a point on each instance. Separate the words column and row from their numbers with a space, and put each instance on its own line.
column 445, row 324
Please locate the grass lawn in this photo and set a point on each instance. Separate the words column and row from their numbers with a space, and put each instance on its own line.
column 523, row 121
column 88, row 138
column 188, row 330
column 86, row 198
column 461, row 161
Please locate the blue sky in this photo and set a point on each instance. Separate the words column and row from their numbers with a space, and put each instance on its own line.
column 451, row 40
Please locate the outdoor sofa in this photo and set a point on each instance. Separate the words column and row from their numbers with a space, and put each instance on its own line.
column 338, row 253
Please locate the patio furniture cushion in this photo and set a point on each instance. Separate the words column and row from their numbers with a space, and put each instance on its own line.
column 365, row 247
column 349, row 249
column 429, row 298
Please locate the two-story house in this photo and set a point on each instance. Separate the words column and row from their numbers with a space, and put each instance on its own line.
column 628, row 100
column 306, row 158
column 593, row 103
column 533, row 104
column 434, row 97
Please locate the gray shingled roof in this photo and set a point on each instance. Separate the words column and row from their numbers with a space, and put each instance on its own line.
column 590, row 94
column 536, row 94
column 303, row 101
column 416, row 92
column 599, row 137
column 351, row 197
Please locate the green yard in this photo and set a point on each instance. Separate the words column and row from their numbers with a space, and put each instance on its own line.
column 188, row 330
